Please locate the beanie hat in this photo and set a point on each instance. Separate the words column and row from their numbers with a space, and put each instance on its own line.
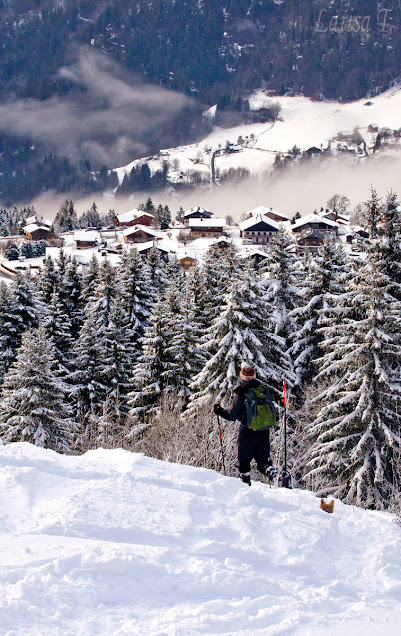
column 247, row 373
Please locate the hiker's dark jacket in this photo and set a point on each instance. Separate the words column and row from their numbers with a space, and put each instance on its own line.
column 238, row 408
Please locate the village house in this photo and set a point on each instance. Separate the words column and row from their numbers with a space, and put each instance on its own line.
column 134, row 217
column 315, row 222
column 35, row 232
column 258, row 229
column 186, row 258
column 86, row 239
column 140, row 234
column 206, row 227
column 197, row 213
column 309, row 239
column 222, row 243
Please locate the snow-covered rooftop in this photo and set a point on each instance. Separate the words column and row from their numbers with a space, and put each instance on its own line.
column 32, row 227
column 127, row 217
column 141, row 228
column 313, row 218
column 39, row 220
column 90, row 236
column 263, row 210
column 161, row 244
column 207, row 223
column 258, row 218
column 198, row 209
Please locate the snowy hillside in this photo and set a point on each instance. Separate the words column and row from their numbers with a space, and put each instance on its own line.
column 303, row 122
column 116, row 543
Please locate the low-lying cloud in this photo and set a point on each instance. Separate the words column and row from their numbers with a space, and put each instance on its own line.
column 107, row 118
column 304, row 189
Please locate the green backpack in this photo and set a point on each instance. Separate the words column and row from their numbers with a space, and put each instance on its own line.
column 260, row 410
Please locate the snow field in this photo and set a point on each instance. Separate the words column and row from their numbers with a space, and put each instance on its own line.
column 303, row 122
column 116, row 543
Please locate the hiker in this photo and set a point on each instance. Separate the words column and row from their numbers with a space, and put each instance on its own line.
column 253, row 437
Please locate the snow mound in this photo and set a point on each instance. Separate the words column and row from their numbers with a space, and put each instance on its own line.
column 116, row 543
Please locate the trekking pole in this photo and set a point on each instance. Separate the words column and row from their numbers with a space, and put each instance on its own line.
column 285, row 426
column 285, row 479
column 221, row 444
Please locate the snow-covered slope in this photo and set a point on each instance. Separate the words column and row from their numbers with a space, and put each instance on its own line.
column 304, row 122
column 115, row 543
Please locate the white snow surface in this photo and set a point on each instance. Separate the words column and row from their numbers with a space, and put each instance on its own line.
column 116, row 543
column 303, row 122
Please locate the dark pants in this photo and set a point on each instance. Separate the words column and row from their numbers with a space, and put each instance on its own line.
column 253, row 445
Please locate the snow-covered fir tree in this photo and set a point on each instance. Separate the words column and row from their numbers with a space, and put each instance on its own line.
column 88, row 373
column 117, row 355
column 34, row 404
column 355, row 434
column 69, row 291
column 281, row 274
column 89, row 281
column 11, row 328
column 57, row 325
column 325, row 279
column 28, row 304
column 156, row 270
column 153, row 370
column 48, row 280
column 240, row 335
column 390, row 246
column 135, row 288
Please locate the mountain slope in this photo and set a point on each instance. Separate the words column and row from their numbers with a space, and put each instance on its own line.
column 117, row 543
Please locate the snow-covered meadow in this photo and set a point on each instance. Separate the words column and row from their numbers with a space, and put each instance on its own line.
column 116, row 543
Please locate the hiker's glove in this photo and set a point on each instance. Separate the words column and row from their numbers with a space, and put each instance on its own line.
column 218, row 410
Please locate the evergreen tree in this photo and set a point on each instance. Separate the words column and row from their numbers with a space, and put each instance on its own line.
column 11, row 328
column 324, row 281
column 138, row 299
column 89, row 282
column 165, row 218
column 57, row 325
column 355, row 433
column 117, row 355
column 152, row 371
column 66, row 218
column 239, row 336
column 281, row 283
column 373, row 214
column 156, row 272
column 27, row 301
column 48, row 280
column 88, row 374
column 70, row 289
column 390, row 246
column 34, row 406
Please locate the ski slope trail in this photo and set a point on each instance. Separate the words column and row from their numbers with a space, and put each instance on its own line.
column 115, row 543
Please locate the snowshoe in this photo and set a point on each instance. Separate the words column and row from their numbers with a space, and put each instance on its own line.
column 271, row 473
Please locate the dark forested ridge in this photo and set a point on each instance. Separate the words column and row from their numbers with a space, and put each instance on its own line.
column 206, row 49
column 340, row 49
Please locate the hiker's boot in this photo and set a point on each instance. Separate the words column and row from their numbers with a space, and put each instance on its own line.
column 246, row 478
column 270, row 472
